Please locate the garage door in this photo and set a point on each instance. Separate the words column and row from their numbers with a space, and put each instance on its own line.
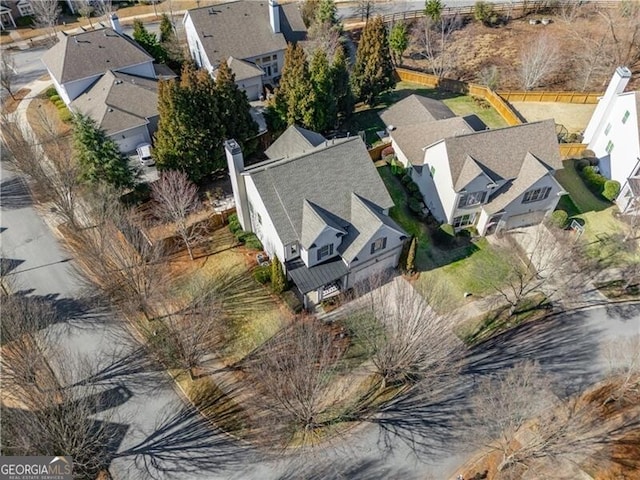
column 253, row 92
column 129, row 144
column 525, row 220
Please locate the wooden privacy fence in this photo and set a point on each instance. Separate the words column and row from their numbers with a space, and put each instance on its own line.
column 562, row 97
column 376, row 152
column 570, row 150
column 457, row 86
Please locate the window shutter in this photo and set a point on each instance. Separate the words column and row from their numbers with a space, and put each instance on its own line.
column 384, row 243
column 484, row 195
column 319, row 257
column 373, row 247
column 330, row 249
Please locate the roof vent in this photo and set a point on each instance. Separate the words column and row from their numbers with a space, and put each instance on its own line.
column 391, row 128
column 109, row 109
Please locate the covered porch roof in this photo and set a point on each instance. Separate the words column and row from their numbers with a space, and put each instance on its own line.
column 308, row 279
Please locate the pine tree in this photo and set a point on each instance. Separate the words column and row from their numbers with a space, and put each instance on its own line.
column 398, row 41
column 342, row 85
column 234, row 109
column 170, row 45
column 99, row 157
column 278, row 280
column 327, row 12
column 295, row 99
column 166, row 29
column 309, row 11
column 148, row 41
column 190, row 128
column 325, row 110
column 433, row 9
column 410, row 267
column 373, row 72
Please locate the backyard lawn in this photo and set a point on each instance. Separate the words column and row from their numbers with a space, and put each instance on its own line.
column 580, row 194
column 366, row 118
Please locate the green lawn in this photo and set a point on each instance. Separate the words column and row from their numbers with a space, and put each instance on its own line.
column 403, row 216
column 460, row 276
column 582, row 197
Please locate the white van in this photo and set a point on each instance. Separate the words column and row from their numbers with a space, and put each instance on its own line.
column 144, row 155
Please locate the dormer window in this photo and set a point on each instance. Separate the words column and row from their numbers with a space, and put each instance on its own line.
column 325, row 251
column 470, row 199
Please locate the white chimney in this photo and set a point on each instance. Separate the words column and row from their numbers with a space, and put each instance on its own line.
column 235, row 162
column 115, row 23
column 616, row 86
column 274, row 15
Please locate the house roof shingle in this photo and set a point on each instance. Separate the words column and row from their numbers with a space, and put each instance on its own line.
column 241, row 69
column 326, row 177
column 91, row 53
column 294, row 141
column 501, row 152
column 118, row 101
column 242, row 29
column 415, row 109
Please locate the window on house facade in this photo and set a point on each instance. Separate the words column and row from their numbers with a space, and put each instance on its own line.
column 609, row 147
column 25, row 8
column 536, row 195
column 625, row 117
column 378, row 245
column 325, row 251
column 470, row 199
column 608, row 129
column 432, row 170
column 464, row 220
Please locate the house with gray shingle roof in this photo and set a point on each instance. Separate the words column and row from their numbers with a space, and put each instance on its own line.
column 493, row 179
column 613, row 134
column 323, row 211
column 253, row 33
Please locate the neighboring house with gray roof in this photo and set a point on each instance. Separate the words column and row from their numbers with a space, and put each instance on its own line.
column 613, row 134
column 252, row 33
column 493, row 179
column 322, row 211
column 124, row 106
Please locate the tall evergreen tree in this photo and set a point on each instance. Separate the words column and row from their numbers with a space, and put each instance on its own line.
column 398, row 41
column 295, row 98
column 148, row 41
column 325, row 110
column 98, row 155
column 433, row 9
column 170, row 45
column 341, row 85
column 166, row 29
column 327, row 12
column 190, row 130
column 309, row 11
column 234, row 109
column 373, row 72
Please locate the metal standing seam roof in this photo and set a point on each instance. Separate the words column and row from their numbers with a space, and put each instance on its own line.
column 326, row 177
column 91, row 53
column 242, row 29
column 119, row 102
column 308, row 279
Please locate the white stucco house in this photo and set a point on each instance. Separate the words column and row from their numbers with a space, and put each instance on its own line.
column 613, row 134
column 472, row 176
column 250, row 36
column 106, row 75
column 321, row 208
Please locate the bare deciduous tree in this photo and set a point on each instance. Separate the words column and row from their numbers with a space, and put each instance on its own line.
column 291, row 374
column 623, row 359
column 45, row 14
column 432, row 38
column 365, row 9
column 85, row 9
column 517, row 414
column 624, row 29
column 489, row 76
column 176, row 197
column 538, row 61
column 324, row 36
column 8, row 73
column 104, row 8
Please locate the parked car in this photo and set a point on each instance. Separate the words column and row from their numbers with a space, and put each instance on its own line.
column 144, row 155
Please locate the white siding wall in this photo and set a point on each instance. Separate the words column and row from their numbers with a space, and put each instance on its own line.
column 142, row 70
column 478, row 184
column 252, row 87
column 626, row 144
column 128, row 140
column 400, row 154
column 280, row 62
column 393, row 241
column 326, row 237
column 267, row 232
column 72, row 90
column 195, row 45
column 436, row 157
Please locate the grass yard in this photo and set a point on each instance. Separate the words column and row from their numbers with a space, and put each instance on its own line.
column 405, row 217
column 459, row 277
column 582, row 197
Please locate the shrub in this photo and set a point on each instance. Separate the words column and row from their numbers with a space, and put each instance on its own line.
column 483, row 12
column 65, row 115
column 50, row 92
column 415, row 205
column 611, row 190
column 24, row 21
column 252, row 242
column 406, row 179
column 55, row 98
column 234, row 224
column 412, row 187
column 278, row 280
column 581, row 164
column 594, row 181
column 417, row 195
column 445, row 234
column 262, row 274
column 59, row 104
column 410, row 265
column 559, row 219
